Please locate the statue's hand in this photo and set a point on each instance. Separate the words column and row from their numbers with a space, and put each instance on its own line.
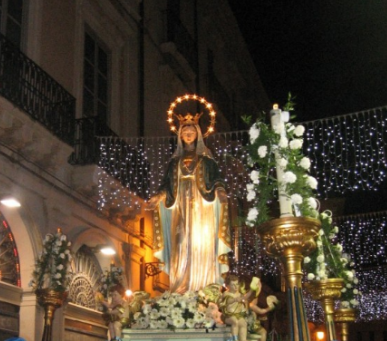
column 154, row 201
column 222, row 195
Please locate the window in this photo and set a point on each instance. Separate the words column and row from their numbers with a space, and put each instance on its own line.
column 96, row 79
column 11, row 15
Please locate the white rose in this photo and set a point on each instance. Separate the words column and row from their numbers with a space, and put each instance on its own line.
column 60, row 267
column 321, row 232
column 354, row 302
column 336, row 229
column 311, row 276
column 345, row 304
column 320, row 258
column 311, row 182
column 262, row 151
column 62, row 255
column 253, row 214
column 355, row 291
column 254, row 176
column 305, row 163
column 58, row 275
column 254, row 133
column 250, row 187
column 283, row 142
column 299, row 131
column 289, row 177
column 296, row 199
column 307, row 260
column 282, row 162
column 251, row 195
column 296, row 144
column 344, row 290
column 312, row 202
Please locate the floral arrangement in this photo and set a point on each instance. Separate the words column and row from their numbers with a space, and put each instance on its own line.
column 278, row 146
column 108, row 279
column 52, row 266
column 176, row 311
column 328, row 260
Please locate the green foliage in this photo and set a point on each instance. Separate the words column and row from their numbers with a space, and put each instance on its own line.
column 329, row 261
column 290, row 104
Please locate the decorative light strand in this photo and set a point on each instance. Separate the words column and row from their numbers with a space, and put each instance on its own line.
column 348, row 153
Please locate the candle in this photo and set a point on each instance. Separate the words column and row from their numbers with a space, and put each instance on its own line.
column 278, row 124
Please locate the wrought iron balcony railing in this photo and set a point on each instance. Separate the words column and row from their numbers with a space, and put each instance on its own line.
column 86, row 142
column 30, row 88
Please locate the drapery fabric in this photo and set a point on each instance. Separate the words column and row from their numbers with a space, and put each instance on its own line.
column 192, row 225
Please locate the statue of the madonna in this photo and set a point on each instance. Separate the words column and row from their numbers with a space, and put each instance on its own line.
column 191, row 223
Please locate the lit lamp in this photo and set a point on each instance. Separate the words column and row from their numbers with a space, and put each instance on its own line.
column 104, row 249
column 10, row 202
column 107, row 250
column 320, row 335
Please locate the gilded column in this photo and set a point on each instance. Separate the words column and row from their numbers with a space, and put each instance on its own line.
column 290, row 239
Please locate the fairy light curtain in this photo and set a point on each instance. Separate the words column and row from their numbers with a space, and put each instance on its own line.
column 363, row 238
column 348, row 153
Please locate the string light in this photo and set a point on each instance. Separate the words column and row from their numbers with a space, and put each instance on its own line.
column 348, row 153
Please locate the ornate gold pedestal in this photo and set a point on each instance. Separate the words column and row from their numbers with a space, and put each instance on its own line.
column 49, row 300
column 327, row 291
column 343, row 317
column 291, row 239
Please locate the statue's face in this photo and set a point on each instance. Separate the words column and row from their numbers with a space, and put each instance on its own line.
column 233, row 286
column 116, row 297
column 189, row 134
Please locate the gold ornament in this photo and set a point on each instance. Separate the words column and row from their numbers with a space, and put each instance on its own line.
column 290, row 239
column 50, row 300
column 343, row 317
column 327, row 291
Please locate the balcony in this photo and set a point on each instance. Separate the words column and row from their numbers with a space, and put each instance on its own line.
column 31, row 89
column 180, row 50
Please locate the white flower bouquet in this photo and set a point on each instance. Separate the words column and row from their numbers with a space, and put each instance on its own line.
column 52, row 266
column 273, row 146
column 174, row 311
column 328, row 261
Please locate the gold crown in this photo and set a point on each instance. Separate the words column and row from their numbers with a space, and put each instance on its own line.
column 188, row 119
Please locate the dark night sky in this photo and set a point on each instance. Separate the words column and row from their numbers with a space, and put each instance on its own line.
column 331, row 54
